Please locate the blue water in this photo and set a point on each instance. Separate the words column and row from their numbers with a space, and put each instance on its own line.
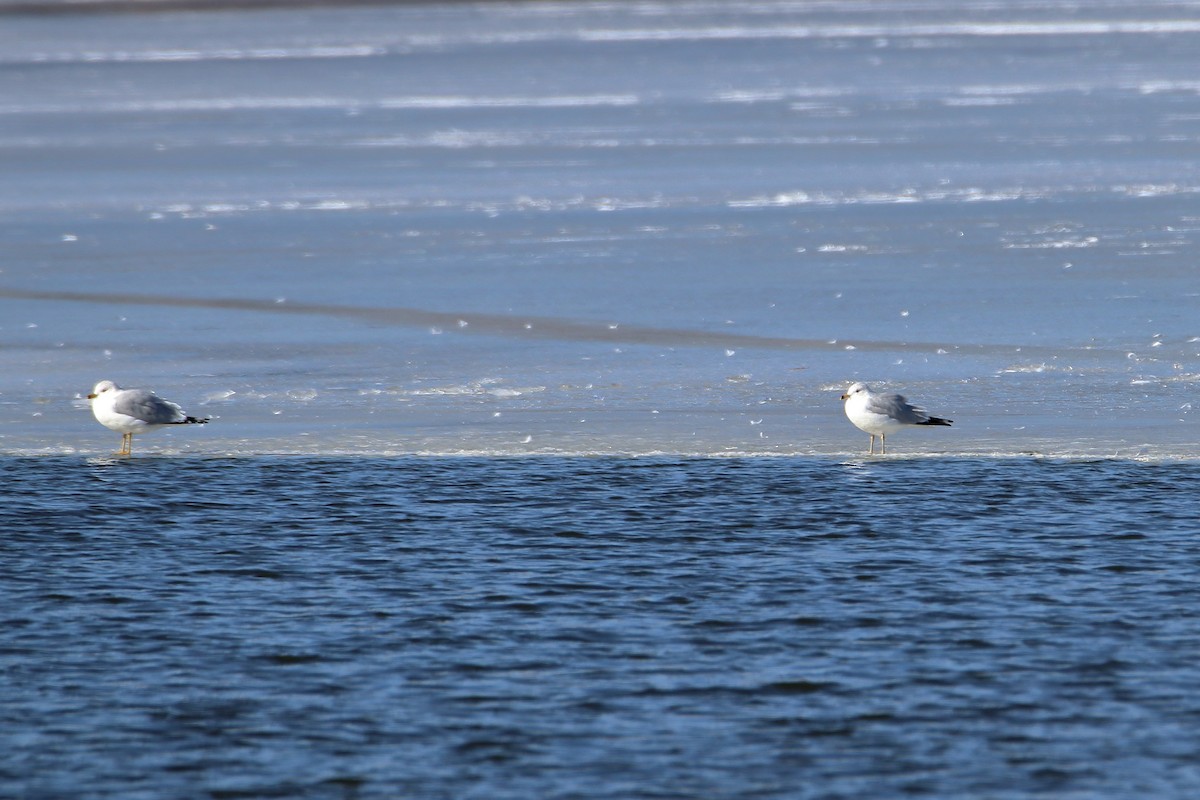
column 598, row 627
column 522, row 328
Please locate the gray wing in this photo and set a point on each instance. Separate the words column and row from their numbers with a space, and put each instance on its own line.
column 148, row 407
column 896, row 407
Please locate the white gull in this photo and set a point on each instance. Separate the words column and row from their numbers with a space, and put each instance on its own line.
column 881, row 414
column 130, row 411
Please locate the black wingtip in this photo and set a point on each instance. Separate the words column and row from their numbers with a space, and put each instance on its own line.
column 196, row 420
column 937, row 421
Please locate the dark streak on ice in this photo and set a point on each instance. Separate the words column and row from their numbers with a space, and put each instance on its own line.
column 520, row 325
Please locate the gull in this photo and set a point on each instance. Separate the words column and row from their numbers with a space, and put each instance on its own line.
column 881, row 414
column 130, row 411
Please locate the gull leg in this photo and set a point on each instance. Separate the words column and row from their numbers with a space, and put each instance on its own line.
column 883, row 444
column 126, row 444
column 871, row 449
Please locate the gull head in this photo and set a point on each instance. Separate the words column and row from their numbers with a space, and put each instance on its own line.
column 102, row 387
column 855, row 388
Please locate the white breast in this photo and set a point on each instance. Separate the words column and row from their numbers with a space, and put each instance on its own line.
column 869, row 421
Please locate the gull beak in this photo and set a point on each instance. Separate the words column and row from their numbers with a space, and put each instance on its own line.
column 844, row 397
column 92, row 396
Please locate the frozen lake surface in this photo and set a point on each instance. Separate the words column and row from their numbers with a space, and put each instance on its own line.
column 604, row 227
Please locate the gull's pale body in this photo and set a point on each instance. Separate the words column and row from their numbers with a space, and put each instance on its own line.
column 881, row 414
column 132, row 411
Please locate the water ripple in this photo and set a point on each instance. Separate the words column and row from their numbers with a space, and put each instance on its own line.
column 602, row 627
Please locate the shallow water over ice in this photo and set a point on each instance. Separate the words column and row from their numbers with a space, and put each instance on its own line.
column 588, row 228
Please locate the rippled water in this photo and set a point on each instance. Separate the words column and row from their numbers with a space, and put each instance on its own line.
column 598, row 627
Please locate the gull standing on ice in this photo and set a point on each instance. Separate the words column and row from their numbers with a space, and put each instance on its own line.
column 881, row 414
column 130, row 411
